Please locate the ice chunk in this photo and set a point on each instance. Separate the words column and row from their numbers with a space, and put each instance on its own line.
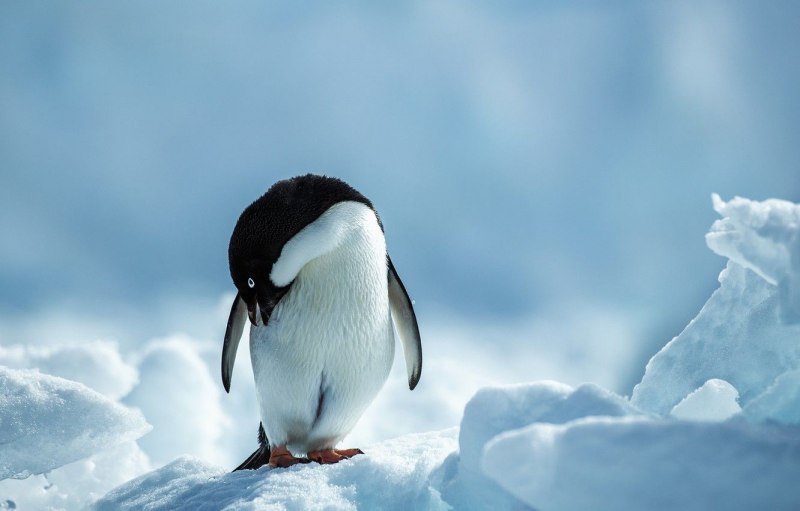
column 47, row 422
column 391, row 475
column 738, row 336
column 637, row 463
column 763, row 237
column 97, row 364
column 714, row 401
column 780, row 402
column 748, row 332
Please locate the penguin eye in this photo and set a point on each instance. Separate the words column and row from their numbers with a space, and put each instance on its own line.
column 251, row 282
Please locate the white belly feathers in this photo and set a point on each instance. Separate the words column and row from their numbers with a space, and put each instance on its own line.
column 329, row 343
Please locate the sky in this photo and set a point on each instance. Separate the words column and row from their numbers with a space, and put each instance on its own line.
column 543, row 170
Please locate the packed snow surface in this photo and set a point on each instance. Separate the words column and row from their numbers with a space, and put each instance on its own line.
column 391, row 475
column 714, row 423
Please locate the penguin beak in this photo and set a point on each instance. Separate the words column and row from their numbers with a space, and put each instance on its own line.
column 260, row 309
column 265, row 305
column 252, row 313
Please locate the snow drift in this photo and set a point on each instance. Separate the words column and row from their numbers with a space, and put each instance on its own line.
column 47, row 422
column 714, row 423
column 62, row 444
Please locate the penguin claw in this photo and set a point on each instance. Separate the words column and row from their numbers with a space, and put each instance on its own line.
column 348, row 453
column 280, row 457
column 330, row 456
column 325, row 456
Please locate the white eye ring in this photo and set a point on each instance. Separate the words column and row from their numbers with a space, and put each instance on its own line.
column 251, row 282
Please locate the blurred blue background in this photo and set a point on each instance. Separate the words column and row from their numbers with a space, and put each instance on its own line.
column 529, row 159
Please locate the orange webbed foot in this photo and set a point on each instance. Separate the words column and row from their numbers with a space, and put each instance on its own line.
column 348, row 453
column 280, row 457
column 330, row 456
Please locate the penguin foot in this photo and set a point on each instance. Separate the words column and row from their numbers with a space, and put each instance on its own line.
column 330, row 456
column 281, row 457
column 348, row 453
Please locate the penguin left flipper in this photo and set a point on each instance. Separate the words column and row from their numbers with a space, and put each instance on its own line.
column 406, row 323
column 233, row 333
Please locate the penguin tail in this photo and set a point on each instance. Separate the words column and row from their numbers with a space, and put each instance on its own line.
column 261, row 455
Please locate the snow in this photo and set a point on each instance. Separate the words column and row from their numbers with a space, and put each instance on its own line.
column 640, row 463
column 713, row 424
column 47, row 422
column 716, row 400
column 391, row 475
column 494, row 410
column 78, row 484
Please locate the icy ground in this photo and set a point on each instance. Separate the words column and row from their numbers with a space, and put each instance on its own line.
column 714, row 423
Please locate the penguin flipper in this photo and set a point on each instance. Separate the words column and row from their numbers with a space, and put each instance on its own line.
column 233, row 333
column 261, row 455
column 406, row 323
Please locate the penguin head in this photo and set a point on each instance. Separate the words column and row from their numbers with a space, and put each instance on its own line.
column 251, row 277
column 267, row 224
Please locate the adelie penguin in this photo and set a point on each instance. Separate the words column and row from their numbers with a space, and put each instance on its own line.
column 314, row 278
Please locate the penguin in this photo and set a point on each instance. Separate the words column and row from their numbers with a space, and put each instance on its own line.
column 314, row 279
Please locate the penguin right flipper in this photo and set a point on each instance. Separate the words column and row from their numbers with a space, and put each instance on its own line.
column 406, row 323
column 233, row 333
column 261, row 455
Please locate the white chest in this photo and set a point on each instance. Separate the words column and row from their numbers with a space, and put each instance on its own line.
column 330, row 338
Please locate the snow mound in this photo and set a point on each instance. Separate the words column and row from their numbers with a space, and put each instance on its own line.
column 47, row 422
column 495, row 410
column 639, row 463
column 392, row 475
column 745, row 334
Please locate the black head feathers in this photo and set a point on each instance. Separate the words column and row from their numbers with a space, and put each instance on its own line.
column 275, row 217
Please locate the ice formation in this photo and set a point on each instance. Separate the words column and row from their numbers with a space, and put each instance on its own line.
column 763, row 237
column 745, row 334
column 716, row 400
